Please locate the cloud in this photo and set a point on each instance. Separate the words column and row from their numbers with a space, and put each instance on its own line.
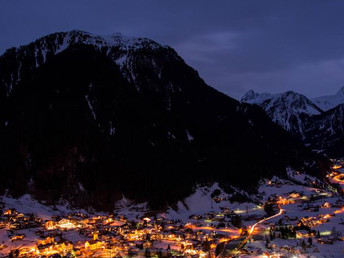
column 268, row 45
column 313, row 80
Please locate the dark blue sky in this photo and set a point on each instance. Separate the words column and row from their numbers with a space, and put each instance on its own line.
column 235, row 45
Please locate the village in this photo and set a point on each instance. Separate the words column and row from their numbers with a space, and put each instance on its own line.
column 116, row 236
column 292, row 219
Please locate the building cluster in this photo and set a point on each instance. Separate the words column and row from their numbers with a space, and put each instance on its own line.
column 301, row 230
column 116, row 236
column 213, row 234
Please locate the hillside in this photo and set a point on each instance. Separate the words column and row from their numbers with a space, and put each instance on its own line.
column 89, row 119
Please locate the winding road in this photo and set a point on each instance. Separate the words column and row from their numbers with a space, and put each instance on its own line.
column 250, row 232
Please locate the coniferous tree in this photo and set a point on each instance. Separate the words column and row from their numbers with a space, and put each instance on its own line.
column 310, row 241
column 303, row 244
column 147, row 253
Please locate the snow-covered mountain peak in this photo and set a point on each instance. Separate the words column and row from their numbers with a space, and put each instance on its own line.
column 318, row 122
column 286, row 109
column 289, row 101
column 62, row 40
column 129, row 53
column 249, row 95
column 300, row 103
column 252, row 97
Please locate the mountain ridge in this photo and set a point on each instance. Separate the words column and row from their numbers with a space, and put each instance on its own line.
column 317, row 122
column 90, row 126
column 329, row 101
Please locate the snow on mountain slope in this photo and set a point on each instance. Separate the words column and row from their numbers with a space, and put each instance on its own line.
column 201, row 202
column 252, row 97
column 318, row 122
column 287, row 109
column 63, row 40
column 118, row 47
column 292, row 102
column 28, row 205
column 330, row 101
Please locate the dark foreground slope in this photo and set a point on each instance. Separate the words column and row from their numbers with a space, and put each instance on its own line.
column 89, row 119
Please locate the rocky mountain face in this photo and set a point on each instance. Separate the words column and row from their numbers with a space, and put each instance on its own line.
column 317, row 122
column 325, row 132
column 89, row 119
column 288, row 109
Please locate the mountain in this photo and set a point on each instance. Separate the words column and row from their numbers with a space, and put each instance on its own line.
column 325, row 132
column 331, row 101
column 289, row 109
column 252, row 97
column 90, row 119
column 311, row 121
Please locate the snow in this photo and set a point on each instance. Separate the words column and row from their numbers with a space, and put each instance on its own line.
column 171, row 135
column 202, row 202
column 124, row 43
column 293, row 111
column 112, row 129
column 36, row 58
column 189, row 136
column 300, row 177
column 285, row 188
column 81, row 187
column 294, row 102
column 118, row 47
column 281, row 187
column 198, row 203
column 130, row 208
column 18, row 75
column 121, row 61
column 282, row 104
column 90, row 107
column 330, row 101
column 286, row 109
column 27, row 205
column 323, row 102
column 252, row 97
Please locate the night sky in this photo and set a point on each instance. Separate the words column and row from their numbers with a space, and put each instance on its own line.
column 239, row 45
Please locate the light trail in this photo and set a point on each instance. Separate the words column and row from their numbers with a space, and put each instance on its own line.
column 250, row 232
column 281, row 211
column 339, row 179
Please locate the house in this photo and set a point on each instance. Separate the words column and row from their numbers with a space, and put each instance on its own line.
column 93, row 245
column 48, row 240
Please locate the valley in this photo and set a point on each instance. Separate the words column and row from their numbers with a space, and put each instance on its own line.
column 296, row 216
column 198, row 129
column 113, row 146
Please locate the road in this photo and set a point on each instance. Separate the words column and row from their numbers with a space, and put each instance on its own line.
column 250, row 232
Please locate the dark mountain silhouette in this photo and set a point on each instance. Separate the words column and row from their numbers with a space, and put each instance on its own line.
column 88, row 119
